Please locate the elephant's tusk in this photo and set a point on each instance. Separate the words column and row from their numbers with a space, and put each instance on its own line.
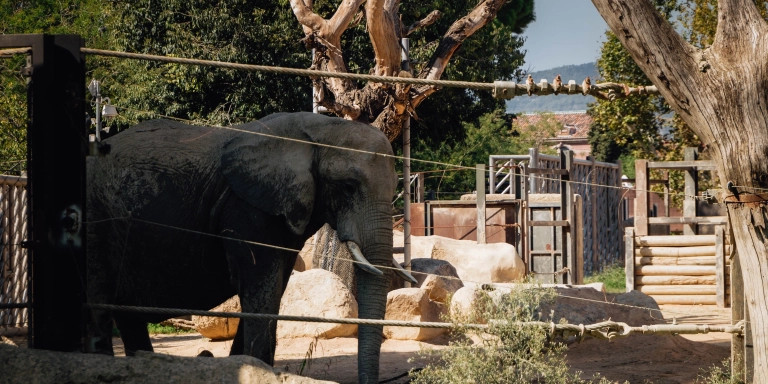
column 360, row 259
column 403, row 273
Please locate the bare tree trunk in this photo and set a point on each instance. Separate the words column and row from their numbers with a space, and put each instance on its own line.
column 384, row 106
column 722, row 94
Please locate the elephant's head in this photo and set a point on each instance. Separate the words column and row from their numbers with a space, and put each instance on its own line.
column 347, row 179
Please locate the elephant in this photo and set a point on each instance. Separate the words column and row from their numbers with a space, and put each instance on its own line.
column 182, row 216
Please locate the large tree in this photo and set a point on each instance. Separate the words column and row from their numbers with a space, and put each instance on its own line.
column 721, row 92
column 329, row 28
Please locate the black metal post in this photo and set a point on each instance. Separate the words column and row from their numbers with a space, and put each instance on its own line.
column 57, row 146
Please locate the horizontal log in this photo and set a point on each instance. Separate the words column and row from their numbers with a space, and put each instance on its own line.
column 689, row 220
column 684, row 299
column 707, row 250
column 700, row 260
column 677, row 289
column 693, row 270
column 674, row 280
column 701, row 165
column 674, row 241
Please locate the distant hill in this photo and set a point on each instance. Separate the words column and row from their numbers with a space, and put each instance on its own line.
column 559, row 103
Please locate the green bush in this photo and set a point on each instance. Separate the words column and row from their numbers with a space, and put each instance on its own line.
column 612, row 276
column 507, row 351
column 165, row 329
column 720, row 374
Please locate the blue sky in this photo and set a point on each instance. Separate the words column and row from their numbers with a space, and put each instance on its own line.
column 565, row 32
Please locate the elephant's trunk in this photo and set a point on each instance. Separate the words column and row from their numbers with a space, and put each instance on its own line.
column 372, row 291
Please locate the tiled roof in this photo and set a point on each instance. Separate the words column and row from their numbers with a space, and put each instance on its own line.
column 575, row 124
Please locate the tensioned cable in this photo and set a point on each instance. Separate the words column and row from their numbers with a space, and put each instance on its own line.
column 604, row 330
column 453, row 167
column 438, row 163
column 478, row 284
column 290, row 71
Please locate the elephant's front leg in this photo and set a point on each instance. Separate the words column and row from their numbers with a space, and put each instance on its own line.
column 261, row 277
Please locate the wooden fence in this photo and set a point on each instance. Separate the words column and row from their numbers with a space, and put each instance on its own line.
column 14, row 275
column 687, row 269
column 598, row 184
column 679, row 269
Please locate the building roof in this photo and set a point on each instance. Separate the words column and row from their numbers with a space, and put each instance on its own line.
column 574, row 124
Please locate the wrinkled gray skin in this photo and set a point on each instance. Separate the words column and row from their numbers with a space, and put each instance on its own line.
column 165, row 185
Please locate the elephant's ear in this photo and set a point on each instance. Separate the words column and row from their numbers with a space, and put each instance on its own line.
column 272, row 175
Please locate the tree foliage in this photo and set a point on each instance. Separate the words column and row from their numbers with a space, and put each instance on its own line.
column 83, row 17
column 252, row 32
column 493, row 133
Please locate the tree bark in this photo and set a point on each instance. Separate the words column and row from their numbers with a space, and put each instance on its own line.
column 382, row 105
column 722, row 94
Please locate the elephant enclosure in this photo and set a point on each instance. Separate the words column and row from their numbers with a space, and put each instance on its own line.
column 638, row 359
column 657, row 359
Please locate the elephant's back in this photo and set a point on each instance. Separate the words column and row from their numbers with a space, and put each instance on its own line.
column 156, row 163
column 152, row 136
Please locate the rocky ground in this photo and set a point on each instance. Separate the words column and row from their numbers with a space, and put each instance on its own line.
column 637, row 359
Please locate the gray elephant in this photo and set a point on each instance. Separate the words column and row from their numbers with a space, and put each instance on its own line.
column 180, row 217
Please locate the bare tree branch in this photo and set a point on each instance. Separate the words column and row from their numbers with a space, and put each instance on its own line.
column 732, row 36
column 344, row 15
column 425, row 22
column 309, row 20
column 461, row 29
column 383, row 28
column 667, row 59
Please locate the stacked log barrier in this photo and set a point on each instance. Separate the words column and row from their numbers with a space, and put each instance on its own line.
column 685, row 270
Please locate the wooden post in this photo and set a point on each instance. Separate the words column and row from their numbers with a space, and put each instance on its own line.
column 593, row 204
column 629, row 258
column 719, row 266
column 420, row 187
column 641, row 197
column 405, row 65
column 533, row 162
column 691, row 189
column 57, row 147
column 738, row 306
column 566, row 211
column 578, row 219
column 480, row 187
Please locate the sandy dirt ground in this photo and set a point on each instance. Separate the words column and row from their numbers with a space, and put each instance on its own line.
column 636, row 359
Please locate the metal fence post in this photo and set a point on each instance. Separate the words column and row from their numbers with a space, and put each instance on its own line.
column 57, row 148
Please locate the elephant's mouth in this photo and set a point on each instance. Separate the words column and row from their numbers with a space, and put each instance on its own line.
column 362, row 263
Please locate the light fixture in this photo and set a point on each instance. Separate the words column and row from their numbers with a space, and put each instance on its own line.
column 108, row 111
column 103, row 107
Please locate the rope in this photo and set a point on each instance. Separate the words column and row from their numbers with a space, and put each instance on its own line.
column 606, row 330
column 451, row 167
column 383, row 267
column 15, row 51
column 290, row 71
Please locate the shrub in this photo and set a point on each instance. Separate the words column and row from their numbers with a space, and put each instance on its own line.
column 507, row 351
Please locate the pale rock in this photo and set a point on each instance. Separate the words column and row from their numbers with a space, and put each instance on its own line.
column 441, row 288
column 317, row 293
column 26, row 365
column 478, row 263
column 219, row 328
column 438, row 277
column 307, row 253
column 412, row 305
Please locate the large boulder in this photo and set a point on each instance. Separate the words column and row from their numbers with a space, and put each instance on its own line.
column 478, row 263
column 317, row 293
column 22, row 365
column 575, row 304
column 219, row 328
column 413, row 305
column 438, row 277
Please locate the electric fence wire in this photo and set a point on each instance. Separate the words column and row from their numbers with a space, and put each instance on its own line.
column 314, row 73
